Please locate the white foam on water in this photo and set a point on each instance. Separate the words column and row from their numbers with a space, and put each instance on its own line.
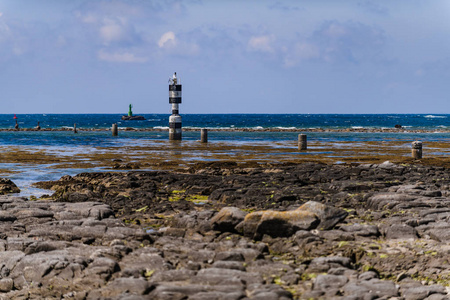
column 435, row 117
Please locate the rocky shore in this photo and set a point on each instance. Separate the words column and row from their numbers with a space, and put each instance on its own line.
column 226, row 230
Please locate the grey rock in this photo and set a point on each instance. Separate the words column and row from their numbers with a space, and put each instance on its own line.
column 6, row 285
column 401, row 231
column 422, row 292
column 119, row 286
column 327, row 282
column 219, row 276
column 227, row 219
column 329, row 216
column 235, row 265
column 323, row 264
column 230, row 256
column 172, row 275
column 361, row 230
column 218, row 296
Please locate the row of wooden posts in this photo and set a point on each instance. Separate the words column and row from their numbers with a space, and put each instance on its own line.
column 416, row 146
column 203, row 133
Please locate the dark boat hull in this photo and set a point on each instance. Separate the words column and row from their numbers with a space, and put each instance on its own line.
column 133, row 118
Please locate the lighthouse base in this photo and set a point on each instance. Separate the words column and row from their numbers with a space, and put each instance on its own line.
column 175, row 136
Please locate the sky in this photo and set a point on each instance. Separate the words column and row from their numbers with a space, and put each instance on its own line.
column 231, row 56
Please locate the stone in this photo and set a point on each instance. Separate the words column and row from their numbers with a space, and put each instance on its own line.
column 8, row 187
column 327, row 282
column 227, row 219
column 329, row 216
column 6, row 285
column 422, row 292
column 401, row 231
column 278, row 224
column 138, row 286
column 235, row 265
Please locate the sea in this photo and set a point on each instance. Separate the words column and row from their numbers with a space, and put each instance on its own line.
column 437, row 124
column 251, row 128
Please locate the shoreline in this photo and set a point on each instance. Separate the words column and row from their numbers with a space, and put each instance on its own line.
column 179, row 218
column 224, row 231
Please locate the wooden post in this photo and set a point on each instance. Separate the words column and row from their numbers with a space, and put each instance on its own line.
column 204, row 135
column 115, row 129
column 302, row 143
column 16, row 126
column 38, row 127
column 416, row 150
column 75, row 128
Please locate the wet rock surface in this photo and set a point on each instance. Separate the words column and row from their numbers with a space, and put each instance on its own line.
column 307, row 231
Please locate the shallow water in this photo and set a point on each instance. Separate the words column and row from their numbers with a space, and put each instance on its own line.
column 248, row 145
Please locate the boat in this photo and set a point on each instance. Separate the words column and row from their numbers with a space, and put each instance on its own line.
column 130, row 116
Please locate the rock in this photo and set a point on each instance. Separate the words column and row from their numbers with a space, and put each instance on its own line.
column 371, row 289
column 234, row 265
column 229, row 256
column 401, row 231
column 323, row 264
column 388, row 200
column 8, row 187
column 136, row 286
column 6, row 285
column 422, row 292
column 286, row 223
column 328, row 282
column 362, row 230
column 219, row 276
column 280, row 224
column 329, row 216
column 218, row 296
column 227, row 219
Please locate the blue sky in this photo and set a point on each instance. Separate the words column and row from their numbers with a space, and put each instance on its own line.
column 246, row 56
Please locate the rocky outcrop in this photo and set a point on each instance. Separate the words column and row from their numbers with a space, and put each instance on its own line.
column 8, row 187
column 225, row 232
column 310, row 215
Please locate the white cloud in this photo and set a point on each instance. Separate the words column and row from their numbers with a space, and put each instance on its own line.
column 112, row 32
column 300, row 52
column 338, row 42
column 261, row 43
column 121, row 57
column 167, row 40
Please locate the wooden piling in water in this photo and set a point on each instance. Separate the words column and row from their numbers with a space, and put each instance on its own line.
column 75, row 128
column 416, row 149
column 302, row 142
column 115, row 129
column 204, row 135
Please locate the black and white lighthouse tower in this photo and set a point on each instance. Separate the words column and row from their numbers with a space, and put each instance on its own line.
column 174, row 99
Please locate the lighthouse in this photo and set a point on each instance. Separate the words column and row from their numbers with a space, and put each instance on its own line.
column 174, row 99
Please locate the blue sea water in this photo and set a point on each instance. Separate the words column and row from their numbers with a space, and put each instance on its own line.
column 91, row 140
column 295, row 122
column 334, row 121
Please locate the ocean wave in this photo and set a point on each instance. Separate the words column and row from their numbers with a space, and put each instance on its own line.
column 284, row 128
column 434, row 117
column 357, row 127
column 161, row 127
